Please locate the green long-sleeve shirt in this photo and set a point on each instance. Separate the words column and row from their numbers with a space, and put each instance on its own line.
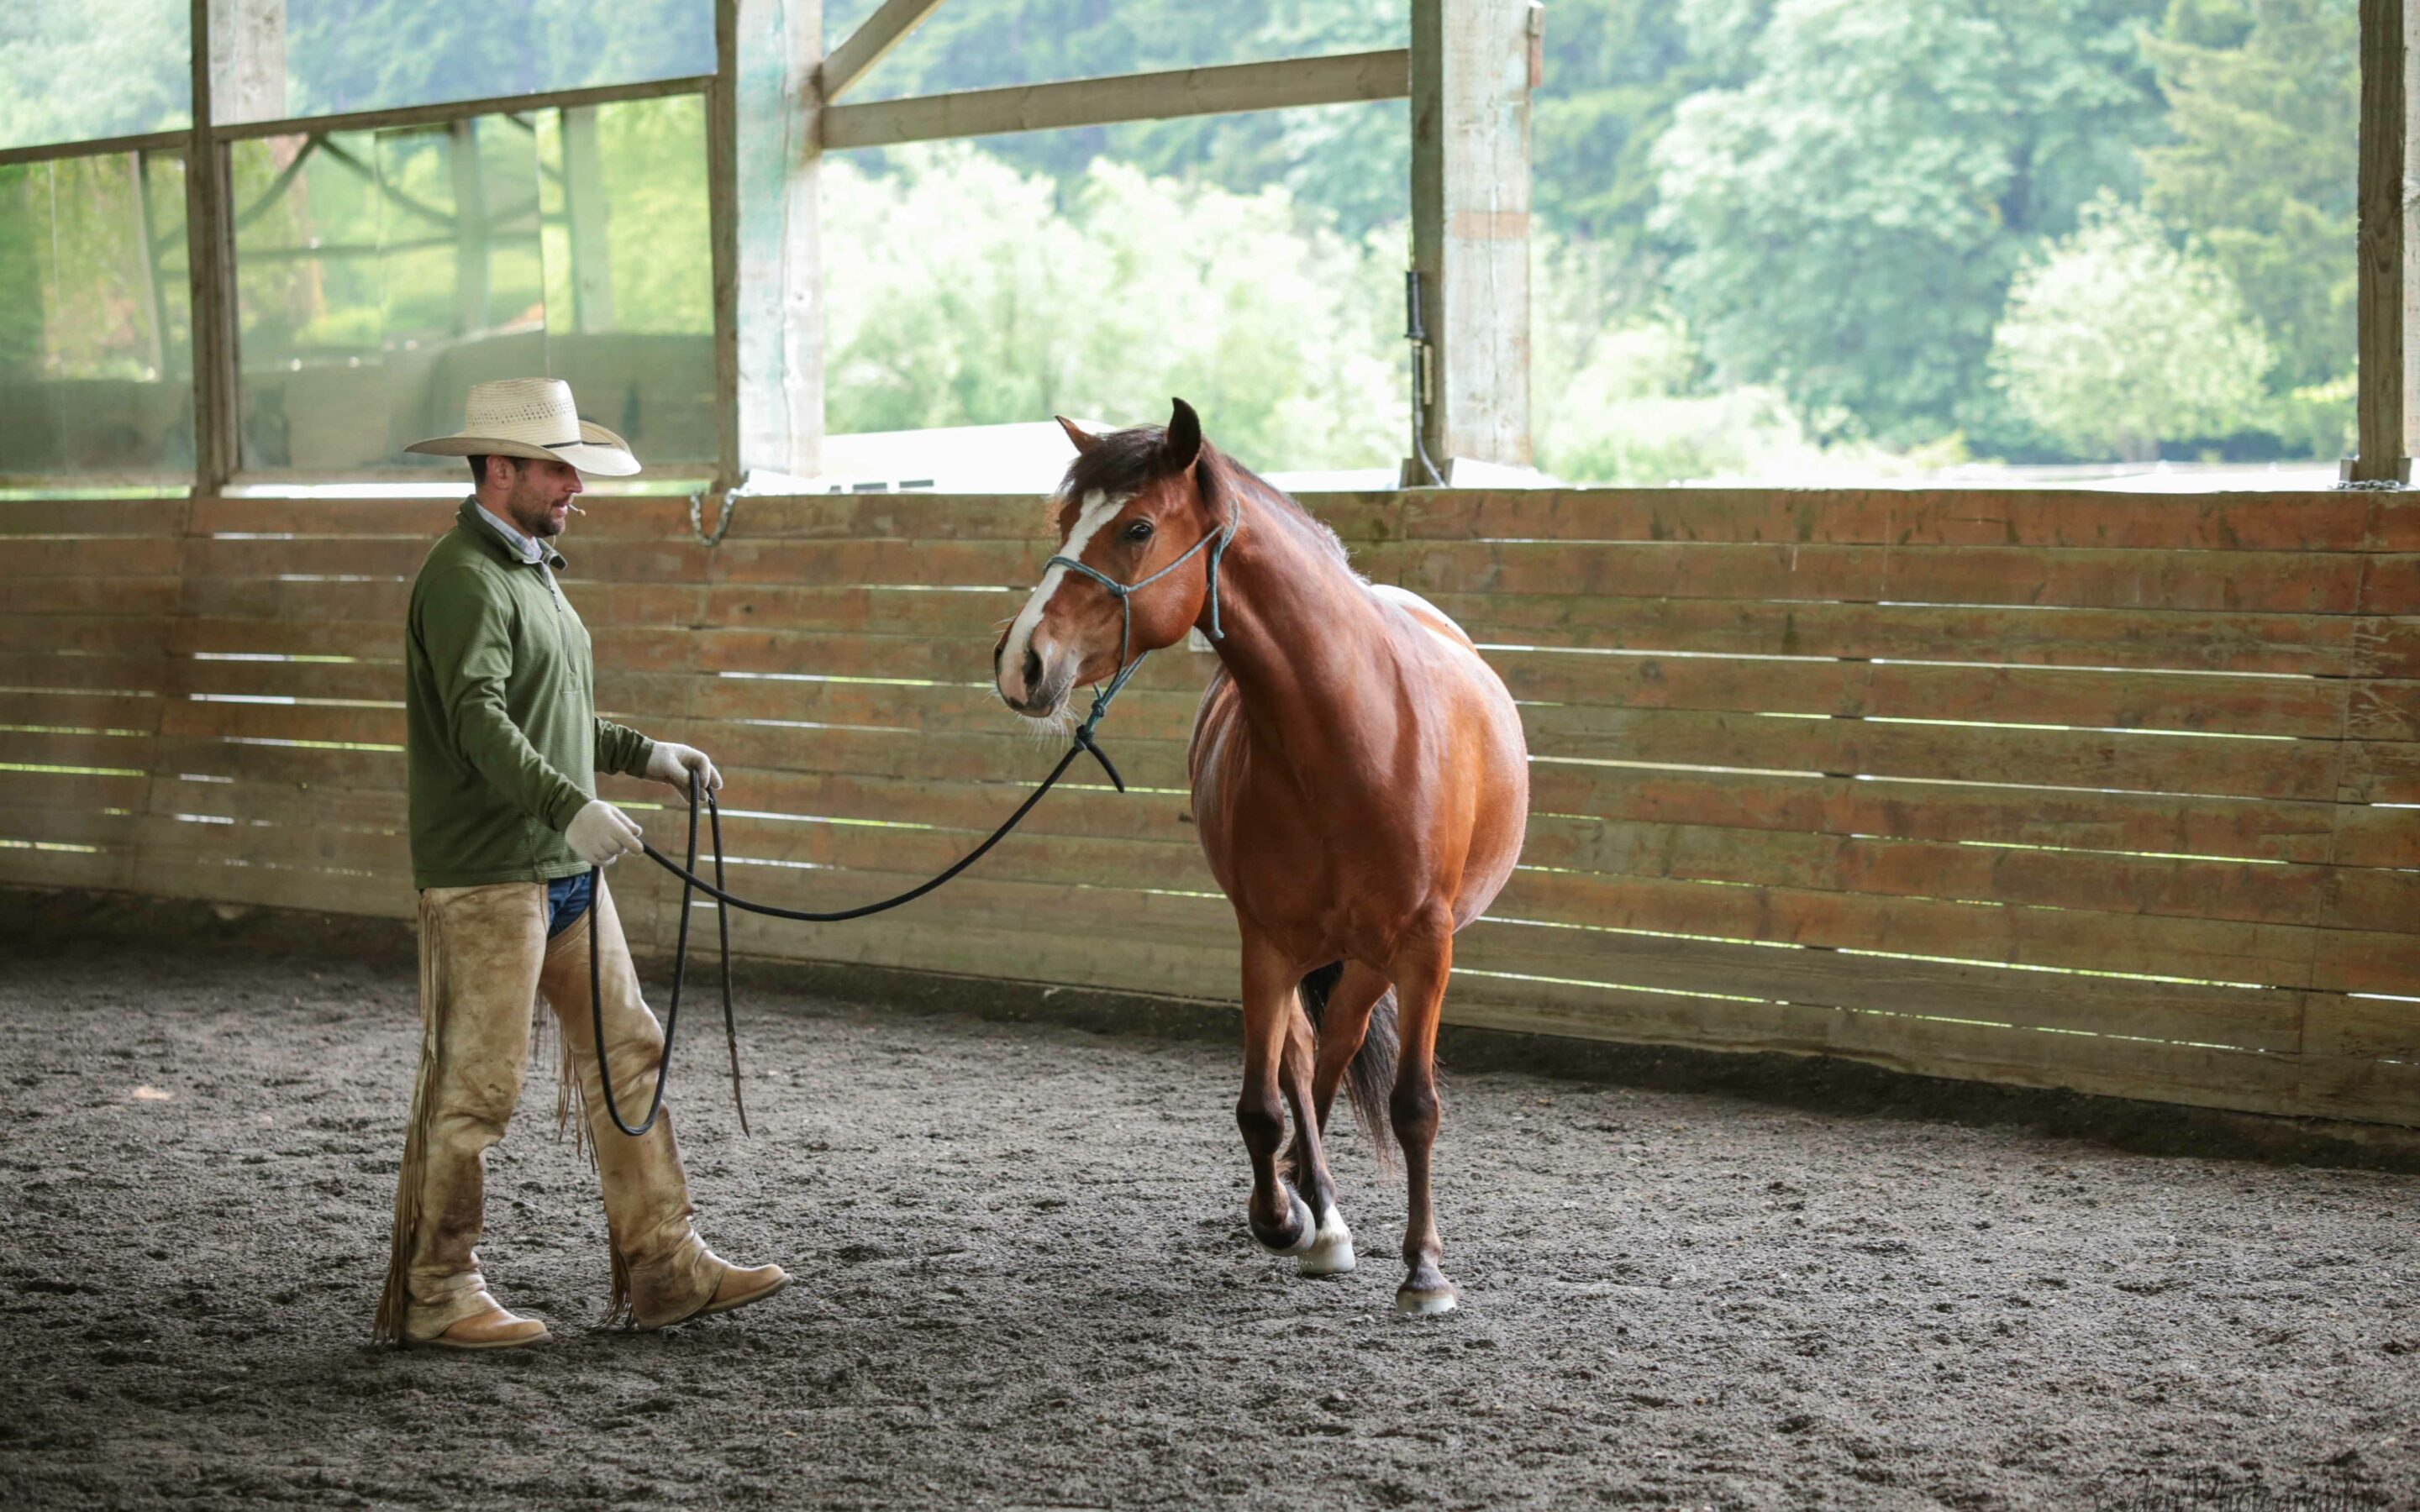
column 503, row 743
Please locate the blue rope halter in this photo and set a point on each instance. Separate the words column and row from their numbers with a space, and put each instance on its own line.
column 1217, row 540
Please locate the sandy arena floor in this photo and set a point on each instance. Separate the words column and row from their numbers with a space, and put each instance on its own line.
column 1024, row 1282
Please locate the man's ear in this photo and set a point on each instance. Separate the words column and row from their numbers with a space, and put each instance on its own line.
column 1084, row 439
column 1184, row 441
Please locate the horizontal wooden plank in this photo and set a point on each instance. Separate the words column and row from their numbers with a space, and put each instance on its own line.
column 62, row 670
column 79, row 635
column 2183, row 701
column 302, row 723
column 2352, row 962
column 60, row 826
column 1142, row 713
column 2303, row 521
column 2090, row 881
column 626, row 517
column 2211, row 1077
column 397, row 558
column 26, row 867
column 69, row 711
column 2008, row 695
column 117, row 517
column 30, row 599
column 2266, row 1020
column 2145, row 640
column 2228, row 522
column 2142, row 762
column 2065, row 818
column 2233, row 581
column 96, row 556
column 1972, row 930
column 82, row 790
column 2240, row 581
column 102, row 754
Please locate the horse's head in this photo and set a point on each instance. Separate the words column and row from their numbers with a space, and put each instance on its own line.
column 1133, row 504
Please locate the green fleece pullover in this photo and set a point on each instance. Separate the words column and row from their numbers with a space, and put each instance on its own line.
column 503, row 743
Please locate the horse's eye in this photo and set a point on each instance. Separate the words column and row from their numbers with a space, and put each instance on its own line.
column 1138, row 531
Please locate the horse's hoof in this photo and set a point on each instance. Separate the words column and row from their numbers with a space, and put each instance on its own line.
column 1426, row 1302
column 1306, row 1231
column 1331, row 1250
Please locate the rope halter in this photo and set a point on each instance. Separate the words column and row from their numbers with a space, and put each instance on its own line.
column 1217, row 541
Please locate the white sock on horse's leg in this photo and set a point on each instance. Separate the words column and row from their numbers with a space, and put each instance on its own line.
column 1331, row 1249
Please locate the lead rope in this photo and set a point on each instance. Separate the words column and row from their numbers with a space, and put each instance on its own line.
column 1081, row 743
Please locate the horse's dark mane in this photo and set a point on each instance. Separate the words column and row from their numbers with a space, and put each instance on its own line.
column 1126, row 461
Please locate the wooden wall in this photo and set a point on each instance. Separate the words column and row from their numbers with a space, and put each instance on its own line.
column 2111, row 792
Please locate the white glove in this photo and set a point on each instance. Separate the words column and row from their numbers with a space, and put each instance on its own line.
column 672, row 763
column 602, row 834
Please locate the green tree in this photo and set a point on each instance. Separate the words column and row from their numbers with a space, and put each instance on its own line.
column 956, row 297
column 95, row 68
column 2264, row 99
column 1856, row 209
column 2116, row 340
column 1616, row 70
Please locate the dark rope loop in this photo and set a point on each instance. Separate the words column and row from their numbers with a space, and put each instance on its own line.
column 1083, row 743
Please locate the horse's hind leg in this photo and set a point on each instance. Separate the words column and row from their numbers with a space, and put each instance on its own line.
column 1280, row 1219
column 1420, row 974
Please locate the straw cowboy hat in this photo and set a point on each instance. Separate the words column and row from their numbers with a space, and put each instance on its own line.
column 533, row 418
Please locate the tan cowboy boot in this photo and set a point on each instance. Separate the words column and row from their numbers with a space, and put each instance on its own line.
column 480, row 949
column 663, row 1274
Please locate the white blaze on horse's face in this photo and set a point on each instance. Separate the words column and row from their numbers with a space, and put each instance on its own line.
column 1030, row 659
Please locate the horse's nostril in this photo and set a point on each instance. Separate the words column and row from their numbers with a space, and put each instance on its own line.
column 1032, row 671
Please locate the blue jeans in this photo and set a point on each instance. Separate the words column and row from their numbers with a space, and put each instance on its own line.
column 566, row 899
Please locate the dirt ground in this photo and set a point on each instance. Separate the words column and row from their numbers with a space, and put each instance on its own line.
column 1024, row 1282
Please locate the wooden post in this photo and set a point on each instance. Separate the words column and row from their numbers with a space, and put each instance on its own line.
column 584, row 206
column 2383, row 296
column 247, row 60
column 1470, row 225
column 470, row 228
column 761, row 164
column 209, row 248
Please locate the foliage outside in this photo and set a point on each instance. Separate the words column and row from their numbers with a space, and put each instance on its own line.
column 1773, row 239
column 2116, row 338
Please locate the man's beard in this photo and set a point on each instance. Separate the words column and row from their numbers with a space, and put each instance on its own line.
column 536, row 519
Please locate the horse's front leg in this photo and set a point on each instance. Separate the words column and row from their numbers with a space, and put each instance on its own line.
column 1420, row 973
column 1280, row 1220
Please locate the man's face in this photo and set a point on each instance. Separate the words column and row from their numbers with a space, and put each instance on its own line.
column 538, row 500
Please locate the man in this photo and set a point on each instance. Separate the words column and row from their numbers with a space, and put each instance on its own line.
column 502, row 746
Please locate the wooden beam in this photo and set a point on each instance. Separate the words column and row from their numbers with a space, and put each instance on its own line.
column 1470, row 225
column 209, row 248
column 1338, row 80
column 2386, row 288
column 868, row 45
column 99, row 147
column 761, row 164
column 440, row 115
column 584, row 206
column 247, row 60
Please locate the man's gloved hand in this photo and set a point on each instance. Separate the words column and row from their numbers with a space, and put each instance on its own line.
column 602, row 834
column 672, row 763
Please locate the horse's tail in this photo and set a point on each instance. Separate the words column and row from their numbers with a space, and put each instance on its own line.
column 1371, row 1075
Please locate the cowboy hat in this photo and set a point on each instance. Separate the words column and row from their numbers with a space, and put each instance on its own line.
column 533, row 418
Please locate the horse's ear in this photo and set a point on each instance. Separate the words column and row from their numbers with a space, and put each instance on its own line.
column 1084, row 439
column 1184, row 443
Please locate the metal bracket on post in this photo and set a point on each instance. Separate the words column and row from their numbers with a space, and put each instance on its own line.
column 728, row 505
column 2348, row 474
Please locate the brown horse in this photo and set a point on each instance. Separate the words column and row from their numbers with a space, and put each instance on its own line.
column 1359, row 783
